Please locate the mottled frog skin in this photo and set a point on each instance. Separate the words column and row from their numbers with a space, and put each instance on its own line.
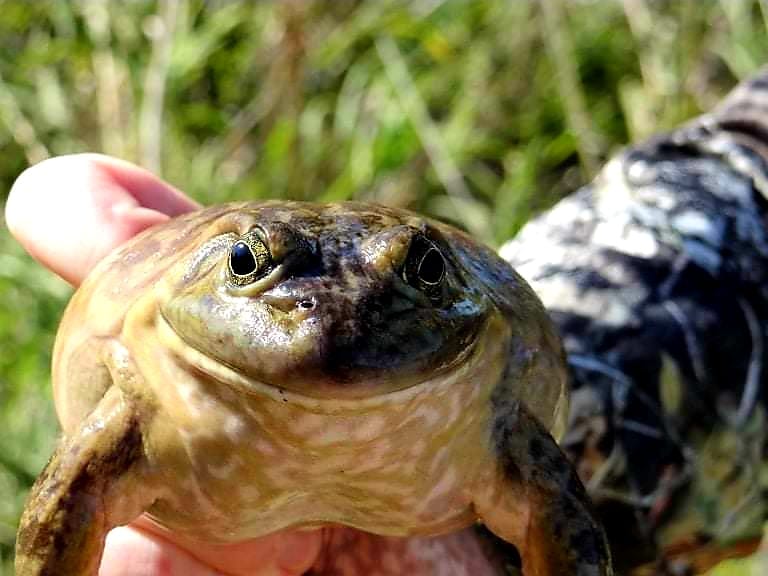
column 257, row 366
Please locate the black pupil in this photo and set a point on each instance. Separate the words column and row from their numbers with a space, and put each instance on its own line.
column 432, row 267
column 242, row 260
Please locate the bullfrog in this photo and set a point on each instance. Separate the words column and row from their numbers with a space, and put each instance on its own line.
column 256, row 366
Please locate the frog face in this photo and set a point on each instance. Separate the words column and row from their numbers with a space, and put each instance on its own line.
column 329, row 301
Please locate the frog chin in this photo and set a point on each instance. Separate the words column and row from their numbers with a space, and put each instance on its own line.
column 365, row 392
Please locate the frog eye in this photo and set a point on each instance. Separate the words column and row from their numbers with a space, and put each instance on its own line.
column 249, row 259
column 424, row 267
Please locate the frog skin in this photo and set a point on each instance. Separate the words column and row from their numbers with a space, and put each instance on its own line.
column 257, row 366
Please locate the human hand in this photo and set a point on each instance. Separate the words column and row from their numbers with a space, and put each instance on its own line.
column 69, row 212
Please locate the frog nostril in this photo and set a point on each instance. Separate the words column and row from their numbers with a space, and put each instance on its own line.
column 289, row 302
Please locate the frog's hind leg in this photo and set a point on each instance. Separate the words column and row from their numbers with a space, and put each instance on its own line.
column 83, row 492
column 536, row 501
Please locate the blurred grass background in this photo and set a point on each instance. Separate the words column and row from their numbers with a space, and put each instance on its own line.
column 483, row 113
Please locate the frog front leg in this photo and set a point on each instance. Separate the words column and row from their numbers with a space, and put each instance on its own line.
column 534, row 499
column 90, row 485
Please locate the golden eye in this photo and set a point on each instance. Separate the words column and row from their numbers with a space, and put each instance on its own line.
column 424, row 267
column 249, row 259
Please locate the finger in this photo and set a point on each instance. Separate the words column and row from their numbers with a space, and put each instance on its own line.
column 143, row 550
column 71, row 211
column 129, row 552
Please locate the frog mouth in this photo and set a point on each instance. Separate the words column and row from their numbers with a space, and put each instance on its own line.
column 210, row 366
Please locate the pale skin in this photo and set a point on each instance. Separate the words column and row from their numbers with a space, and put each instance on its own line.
column 68, row 213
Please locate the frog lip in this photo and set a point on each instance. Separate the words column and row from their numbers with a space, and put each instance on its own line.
column 201, row 362
column 295, row 299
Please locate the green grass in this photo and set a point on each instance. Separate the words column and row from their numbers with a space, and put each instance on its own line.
column 482, row 113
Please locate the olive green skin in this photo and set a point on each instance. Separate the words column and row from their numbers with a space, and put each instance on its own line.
column 332, row 386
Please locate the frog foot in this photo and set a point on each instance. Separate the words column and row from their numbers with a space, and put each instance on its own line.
column 535, row 500
column 84, row 491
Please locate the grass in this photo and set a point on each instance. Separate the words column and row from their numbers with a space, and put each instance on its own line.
column 482, row 113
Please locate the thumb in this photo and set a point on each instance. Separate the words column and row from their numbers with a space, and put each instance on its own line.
column 71, row 211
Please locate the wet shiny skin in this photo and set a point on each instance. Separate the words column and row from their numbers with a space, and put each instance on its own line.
column 350, row 369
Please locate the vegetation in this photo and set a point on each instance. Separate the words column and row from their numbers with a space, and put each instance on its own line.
column 482, row 113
